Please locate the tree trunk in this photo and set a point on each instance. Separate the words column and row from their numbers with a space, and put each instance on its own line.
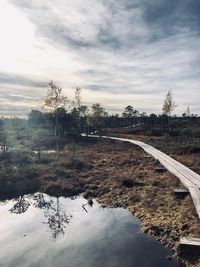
column 39, row 153
column 4, row 145
column 56, row 133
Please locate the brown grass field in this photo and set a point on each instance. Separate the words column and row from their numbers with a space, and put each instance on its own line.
column 117, row 175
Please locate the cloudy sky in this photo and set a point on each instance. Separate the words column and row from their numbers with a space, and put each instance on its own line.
column 119, row 52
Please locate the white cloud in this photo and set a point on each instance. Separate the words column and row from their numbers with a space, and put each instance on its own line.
column 107, row 47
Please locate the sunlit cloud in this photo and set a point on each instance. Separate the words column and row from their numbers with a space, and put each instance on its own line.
column 120, row 52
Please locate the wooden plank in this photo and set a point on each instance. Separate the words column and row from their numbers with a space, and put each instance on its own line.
column 188, row 178
column 147, row 156
column 195, row 194
column 181, row 190
column 189, row 246
column 190, row 241
column 160, row 169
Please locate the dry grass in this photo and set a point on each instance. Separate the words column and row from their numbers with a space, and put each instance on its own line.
column 118, row 174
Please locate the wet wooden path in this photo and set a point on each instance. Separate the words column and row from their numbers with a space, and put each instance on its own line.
column 188, row 178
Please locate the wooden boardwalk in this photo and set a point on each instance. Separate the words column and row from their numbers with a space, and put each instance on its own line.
column 190, row 241
column 188, row 178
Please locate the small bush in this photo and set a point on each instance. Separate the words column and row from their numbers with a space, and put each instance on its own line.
column 17, row 156
column 193, row 149
column 44, row 160
column 130, row 183
column 77, row 164
column 60, row 171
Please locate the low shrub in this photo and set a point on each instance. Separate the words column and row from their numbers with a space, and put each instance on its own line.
column 77, row 164
column 17, row 156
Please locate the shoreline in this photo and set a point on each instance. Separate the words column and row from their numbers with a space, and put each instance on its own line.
column 116, row 175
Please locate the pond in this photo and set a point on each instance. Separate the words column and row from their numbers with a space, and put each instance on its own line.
column 39, row 231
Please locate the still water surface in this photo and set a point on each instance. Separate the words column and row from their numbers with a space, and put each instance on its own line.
column 40, row 231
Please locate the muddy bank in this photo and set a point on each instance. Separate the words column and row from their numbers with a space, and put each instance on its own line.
column 117, row 175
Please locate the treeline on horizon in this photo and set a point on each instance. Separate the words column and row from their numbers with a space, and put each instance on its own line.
column 63, row 119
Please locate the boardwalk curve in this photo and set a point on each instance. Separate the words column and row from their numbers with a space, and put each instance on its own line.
column 188, row 178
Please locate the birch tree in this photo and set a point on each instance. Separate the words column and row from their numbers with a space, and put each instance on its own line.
column 169, row 104
column 55, row 100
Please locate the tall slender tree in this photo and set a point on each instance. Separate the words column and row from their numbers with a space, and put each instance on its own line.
column 95, row 118
column 130, row 113
column 78, row 96
column 169, row 104
column 188, row 113
column 55, row 100
column 3, row 136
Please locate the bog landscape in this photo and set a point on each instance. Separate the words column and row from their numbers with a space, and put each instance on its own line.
column 99, row 133
column 82, row 151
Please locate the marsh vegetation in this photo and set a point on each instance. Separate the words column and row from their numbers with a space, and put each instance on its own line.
column 46, row 153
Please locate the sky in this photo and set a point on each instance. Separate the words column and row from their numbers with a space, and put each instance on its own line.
column 120, row 52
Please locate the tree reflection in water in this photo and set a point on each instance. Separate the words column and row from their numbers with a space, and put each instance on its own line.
column 57, row 219
column 41, row 202
column 20, row 206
